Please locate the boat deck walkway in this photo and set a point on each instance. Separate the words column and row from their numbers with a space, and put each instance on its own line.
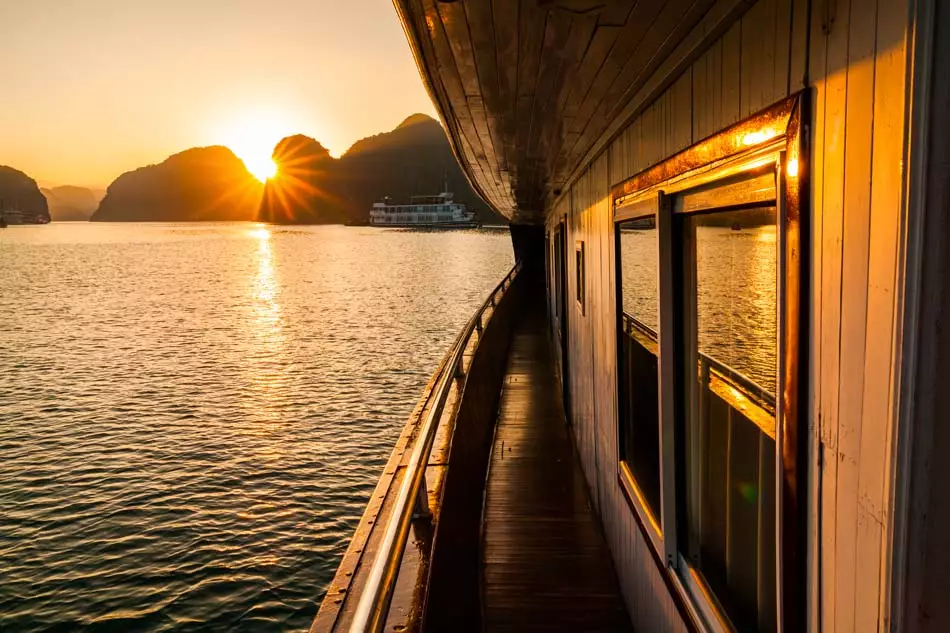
column 546, row 566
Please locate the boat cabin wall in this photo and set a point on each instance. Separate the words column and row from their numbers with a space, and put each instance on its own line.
column 851, row 58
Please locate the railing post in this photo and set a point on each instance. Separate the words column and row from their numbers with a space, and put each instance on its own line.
column 703, row 388
column 701, row 432
column 421, row 508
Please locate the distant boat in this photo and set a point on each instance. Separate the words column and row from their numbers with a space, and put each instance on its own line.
column 10, row 216
column 439, row 211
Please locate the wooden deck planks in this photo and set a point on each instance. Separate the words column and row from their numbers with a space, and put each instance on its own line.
column 546, row 566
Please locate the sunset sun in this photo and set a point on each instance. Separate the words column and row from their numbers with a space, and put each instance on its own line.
column 261, row 166
column 253, row 138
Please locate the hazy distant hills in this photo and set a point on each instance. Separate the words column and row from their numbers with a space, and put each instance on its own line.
column 312, row 187
column 69, row 203
column 21, row 201
column 200, row 184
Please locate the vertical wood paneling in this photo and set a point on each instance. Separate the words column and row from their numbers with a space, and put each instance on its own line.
column 608, row 341
column 818, row 569
column 713, row 114
column 617, row 158
column 858, row 72
column 855, row 62
column 636, row 161
column 798, row 61
column 680, row 118
column 757, row 58
column 700, row 105
column 596, row 307
column 854, row 260
column 883, row 312
column 783, row 39
column 582, row 401
column 834, row 78
column 701, row 101
column 731, row 68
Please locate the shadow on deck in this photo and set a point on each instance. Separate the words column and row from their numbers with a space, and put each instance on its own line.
column 546, row 566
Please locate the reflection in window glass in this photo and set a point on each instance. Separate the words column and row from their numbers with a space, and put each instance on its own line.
column 736, row 283
column 638, row 262
column 639, row 407
column 730, row 294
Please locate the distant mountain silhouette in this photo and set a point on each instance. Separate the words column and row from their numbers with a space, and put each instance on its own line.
column 311, row 187
column 413, row 159
column 69, row 203
column 305, row 190
column 20, row 199
column 204, row 183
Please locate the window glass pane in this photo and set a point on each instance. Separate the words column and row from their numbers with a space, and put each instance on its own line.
column 731, row 274
column 639, row 406
column 638, row 262
column 736, row 282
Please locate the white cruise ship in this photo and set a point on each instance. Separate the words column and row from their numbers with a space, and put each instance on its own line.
column 423, row 211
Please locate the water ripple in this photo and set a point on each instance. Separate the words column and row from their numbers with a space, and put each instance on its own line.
column 192, row 418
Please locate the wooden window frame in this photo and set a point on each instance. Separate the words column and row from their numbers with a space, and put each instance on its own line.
column 558, row 264
column 731, row 169
column 650, row 522
column 580, row 277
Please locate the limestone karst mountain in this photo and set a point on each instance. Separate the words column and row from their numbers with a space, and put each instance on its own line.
column 415, row 158
column 204, row 183
column 311, row 186
column 21, row 201
column 305, row 189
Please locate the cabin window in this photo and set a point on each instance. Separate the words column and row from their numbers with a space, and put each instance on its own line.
column 729, row 294
column 639, row 432
column 709, row 281
column 581, row 275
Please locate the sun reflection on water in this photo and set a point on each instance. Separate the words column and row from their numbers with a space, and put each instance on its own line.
column 267, row 309
column 266, row 338
column 261, row 233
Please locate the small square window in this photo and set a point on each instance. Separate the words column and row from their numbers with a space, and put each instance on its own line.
column 581, row 272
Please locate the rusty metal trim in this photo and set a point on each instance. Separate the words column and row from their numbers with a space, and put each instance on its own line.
column 760, row 130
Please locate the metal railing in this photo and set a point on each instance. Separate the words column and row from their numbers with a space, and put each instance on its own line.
column 708, row 367
column 412, row 498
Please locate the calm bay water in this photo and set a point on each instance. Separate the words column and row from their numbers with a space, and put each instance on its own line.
column 192, row 416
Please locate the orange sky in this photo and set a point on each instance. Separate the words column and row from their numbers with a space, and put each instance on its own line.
column 93, row 88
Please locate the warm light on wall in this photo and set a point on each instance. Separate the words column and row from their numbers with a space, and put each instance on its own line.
column 791, row 169
column 754, row 138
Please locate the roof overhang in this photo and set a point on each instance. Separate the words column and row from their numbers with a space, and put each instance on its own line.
column 528, row 88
